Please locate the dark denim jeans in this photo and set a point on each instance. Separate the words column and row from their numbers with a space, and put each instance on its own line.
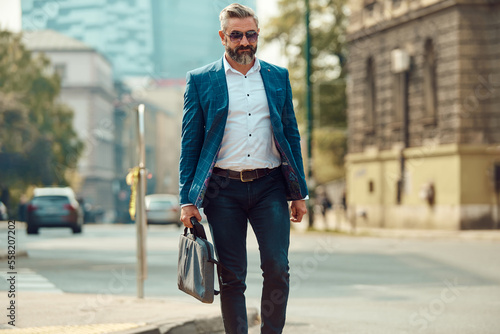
column 229, row 205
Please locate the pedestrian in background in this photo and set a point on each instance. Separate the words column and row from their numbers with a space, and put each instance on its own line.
column 324, row 203
column 241, row 161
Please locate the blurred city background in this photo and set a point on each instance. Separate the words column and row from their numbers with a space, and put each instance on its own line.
column 401, row 111
column 402, row 105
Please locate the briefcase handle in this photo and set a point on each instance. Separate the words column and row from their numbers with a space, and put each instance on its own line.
column 198, row 231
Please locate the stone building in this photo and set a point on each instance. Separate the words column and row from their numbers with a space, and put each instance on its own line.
column 424, row 113
column 86, row 87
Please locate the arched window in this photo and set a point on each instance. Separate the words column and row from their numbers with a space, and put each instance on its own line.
column 430, row 82
column 369, row 4
column 370, row 94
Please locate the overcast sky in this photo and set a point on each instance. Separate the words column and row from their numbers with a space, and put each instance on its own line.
column 10, row 14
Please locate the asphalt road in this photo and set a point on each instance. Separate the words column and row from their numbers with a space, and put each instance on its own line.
column 339, row 284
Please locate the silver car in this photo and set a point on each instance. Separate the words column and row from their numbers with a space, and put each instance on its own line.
column 163, row 209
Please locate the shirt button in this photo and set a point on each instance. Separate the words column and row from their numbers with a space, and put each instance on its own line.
column 250, row 135
column 248, row 94
column 249, row 114
column 249, row 155
column 245, row 76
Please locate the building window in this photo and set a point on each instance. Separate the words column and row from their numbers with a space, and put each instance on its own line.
column 370, row 94
column 430, row 82
column 369, row 4
column 396, row 3
column 60, row 69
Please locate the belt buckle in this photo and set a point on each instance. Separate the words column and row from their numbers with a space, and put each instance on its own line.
column 243, row 179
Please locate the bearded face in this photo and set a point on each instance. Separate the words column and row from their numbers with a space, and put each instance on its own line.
column 240, row 38
column 242, row 54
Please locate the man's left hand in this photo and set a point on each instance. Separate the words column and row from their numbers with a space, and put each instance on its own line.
column 298, row 209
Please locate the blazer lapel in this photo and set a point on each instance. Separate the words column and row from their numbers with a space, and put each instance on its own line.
column 218, row 85
column 272, row 92
column 265, row 73
column 218, row 113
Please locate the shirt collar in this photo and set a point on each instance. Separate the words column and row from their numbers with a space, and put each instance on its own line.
column 228, row 67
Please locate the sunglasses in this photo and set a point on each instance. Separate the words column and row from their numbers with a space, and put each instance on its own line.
column 237, row 36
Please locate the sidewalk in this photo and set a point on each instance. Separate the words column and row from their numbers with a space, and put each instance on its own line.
column 337, row 223
column 68, row 313
column 48, row 313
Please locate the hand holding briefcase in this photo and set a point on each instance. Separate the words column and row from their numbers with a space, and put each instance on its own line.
column 195, row 270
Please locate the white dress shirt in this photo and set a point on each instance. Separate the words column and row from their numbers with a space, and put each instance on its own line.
column 248, row 141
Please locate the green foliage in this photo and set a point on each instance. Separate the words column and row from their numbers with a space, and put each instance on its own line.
column 37, row 141
column 328, row 23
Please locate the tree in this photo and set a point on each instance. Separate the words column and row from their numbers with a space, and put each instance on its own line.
column 328, row 21
column 37, row 142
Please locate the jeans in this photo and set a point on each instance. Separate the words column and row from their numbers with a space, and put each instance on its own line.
column 229, row 205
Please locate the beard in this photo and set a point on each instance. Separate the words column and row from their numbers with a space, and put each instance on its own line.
column 243, row 55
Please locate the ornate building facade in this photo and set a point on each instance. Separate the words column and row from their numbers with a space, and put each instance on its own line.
column 424, row 113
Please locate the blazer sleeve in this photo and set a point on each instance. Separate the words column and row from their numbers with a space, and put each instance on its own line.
column 192, row 138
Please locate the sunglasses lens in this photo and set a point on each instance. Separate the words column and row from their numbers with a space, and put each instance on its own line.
column 236, row 36
column 252, row 36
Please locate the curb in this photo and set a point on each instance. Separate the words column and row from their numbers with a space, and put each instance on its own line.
column 5, row 326
column 210, row 325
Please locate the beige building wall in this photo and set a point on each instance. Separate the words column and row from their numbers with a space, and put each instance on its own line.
column 167, row 128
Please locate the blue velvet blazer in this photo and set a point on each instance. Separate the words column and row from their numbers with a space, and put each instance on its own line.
column 204, row 120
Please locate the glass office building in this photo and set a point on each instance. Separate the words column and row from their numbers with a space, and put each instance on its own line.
column 186, row 34
column 162, row 39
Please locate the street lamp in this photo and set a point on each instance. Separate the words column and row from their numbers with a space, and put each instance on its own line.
column 141, row 210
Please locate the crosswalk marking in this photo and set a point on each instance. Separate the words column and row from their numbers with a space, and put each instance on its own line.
column 29, row 280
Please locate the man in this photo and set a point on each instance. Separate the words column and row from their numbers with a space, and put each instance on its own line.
column 241, row 161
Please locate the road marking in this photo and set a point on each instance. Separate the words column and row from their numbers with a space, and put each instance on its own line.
column 29, row 280
column 369, row 287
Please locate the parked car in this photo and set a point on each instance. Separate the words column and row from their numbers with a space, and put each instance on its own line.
column 3, row 212
column 163, row 209
column 54, row 207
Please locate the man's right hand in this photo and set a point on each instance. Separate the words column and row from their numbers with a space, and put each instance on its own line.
column 187, row 212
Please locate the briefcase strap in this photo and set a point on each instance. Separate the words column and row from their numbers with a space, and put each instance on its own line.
column 219, row 275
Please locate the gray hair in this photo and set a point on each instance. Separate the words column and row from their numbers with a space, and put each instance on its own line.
column 236, row 10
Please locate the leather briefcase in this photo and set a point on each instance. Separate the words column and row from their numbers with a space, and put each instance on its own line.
column 195, row 269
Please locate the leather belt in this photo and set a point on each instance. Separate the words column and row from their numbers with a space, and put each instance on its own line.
column 245, row 175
